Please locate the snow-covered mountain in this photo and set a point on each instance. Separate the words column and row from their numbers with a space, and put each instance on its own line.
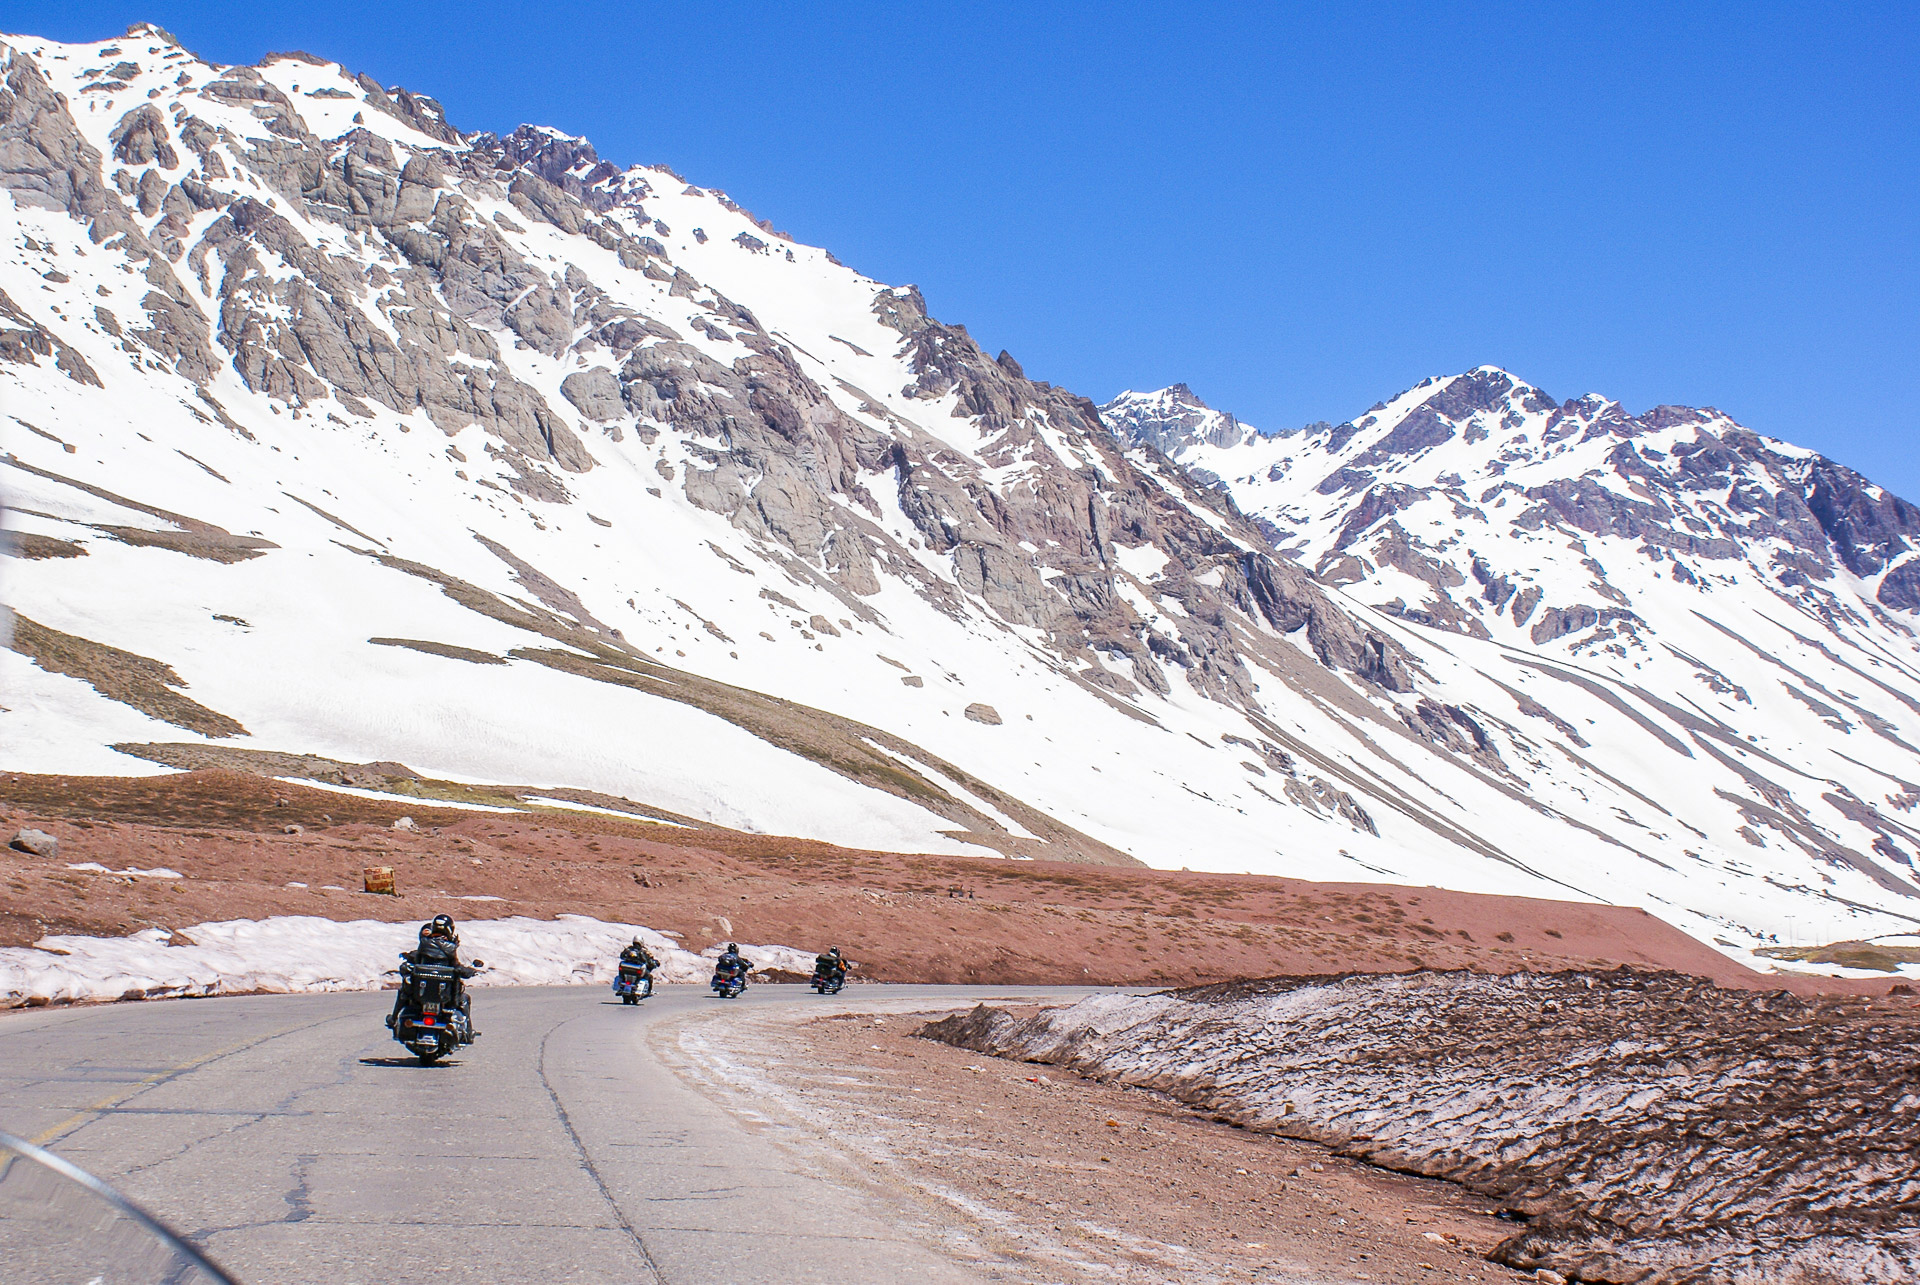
column 332, row 430
column 1750, row 603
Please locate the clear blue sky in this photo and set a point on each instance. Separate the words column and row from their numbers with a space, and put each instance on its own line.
column 1296, row 209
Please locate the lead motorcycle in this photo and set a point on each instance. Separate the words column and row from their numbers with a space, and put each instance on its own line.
column 828, row 981
column 433, row 1020
column 633, row 983
column 729, row 982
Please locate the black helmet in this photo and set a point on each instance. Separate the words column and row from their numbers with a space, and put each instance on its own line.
column 732, row 949
column 834, row 951
column 426, row 929
column 442, row 925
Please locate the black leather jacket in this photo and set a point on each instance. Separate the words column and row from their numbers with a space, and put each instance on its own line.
column 440, row 952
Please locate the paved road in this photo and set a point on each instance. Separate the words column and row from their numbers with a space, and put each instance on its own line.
column 288, row 1136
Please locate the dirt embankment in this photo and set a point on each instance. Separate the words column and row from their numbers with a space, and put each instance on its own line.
column 1641, row 1127
column 1120, row 1186
column 901, row 917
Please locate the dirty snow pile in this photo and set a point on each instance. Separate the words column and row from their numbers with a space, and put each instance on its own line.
column 1643, row 1127
column 293, row 953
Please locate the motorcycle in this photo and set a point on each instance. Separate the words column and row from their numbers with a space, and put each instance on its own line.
column 633, row 983
column 433, row 1019
column 828, row 981
column 60, row 1223
column 729, row 983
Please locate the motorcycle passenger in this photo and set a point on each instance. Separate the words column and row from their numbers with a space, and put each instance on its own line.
column 439, row 945
column 830, row 966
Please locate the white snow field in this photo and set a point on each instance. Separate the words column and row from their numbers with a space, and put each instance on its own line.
column 287, row 954
column 332, row 431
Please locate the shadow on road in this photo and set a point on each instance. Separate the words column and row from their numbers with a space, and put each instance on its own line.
column 412, row 1062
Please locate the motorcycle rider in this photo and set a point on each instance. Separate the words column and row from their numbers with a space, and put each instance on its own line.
column 439, row 944
column 638, row 954
column 731, row 964
column 830, row 965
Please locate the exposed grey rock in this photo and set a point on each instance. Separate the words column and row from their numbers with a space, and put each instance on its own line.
column 141, row 136
column 1454, row 729
column 1558, row 622
column 45, row 163
column 36, row 843
column 1418, row 432
column 24, row 340
column 594, row 393
column 568, row 164
column 980, row 713
column 1900, row 587
column 1868, row 526
column 1497, row 588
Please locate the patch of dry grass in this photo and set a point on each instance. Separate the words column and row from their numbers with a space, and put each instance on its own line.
column 1848, row 954
column 214, row 546
column 145, row 684
column 836, row 743
column 449, row 650
column 25, row 544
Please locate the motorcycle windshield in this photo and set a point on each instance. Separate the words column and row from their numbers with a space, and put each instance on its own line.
column 62, row 1226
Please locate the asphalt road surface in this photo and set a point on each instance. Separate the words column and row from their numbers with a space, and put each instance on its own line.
column 296, row 1142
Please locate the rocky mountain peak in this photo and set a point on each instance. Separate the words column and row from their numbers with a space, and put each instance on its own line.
column 1170, row 420
column 148, row 30
column 1585, row 465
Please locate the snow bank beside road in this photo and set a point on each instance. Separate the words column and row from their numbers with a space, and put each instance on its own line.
column 295, row 953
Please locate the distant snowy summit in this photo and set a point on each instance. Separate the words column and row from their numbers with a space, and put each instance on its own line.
column 1758, row 595
column 1467, row 501
column 1171, row 420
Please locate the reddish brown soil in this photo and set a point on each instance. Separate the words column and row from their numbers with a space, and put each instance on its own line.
column 901, row 917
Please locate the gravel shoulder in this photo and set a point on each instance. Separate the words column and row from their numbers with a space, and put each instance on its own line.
column 1039, row 1175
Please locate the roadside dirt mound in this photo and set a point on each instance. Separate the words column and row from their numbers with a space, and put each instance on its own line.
column 899, row 917
column 1643, row 1127
column 1118, row 1188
